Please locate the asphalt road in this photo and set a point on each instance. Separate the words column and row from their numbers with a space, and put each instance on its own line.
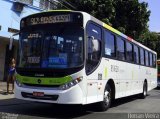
column 124, row 108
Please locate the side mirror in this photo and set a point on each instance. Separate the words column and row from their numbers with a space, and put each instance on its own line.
column 96, row 45
column 93, row 46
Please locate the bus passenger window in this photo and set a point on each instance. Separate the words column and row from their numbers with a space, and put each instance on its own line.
column 151, row 60
column 120, row 49
column 154, row 61
column 129, row 52
column 136, row 54
column 109, row 44
column 147, row 58
column 142, row 56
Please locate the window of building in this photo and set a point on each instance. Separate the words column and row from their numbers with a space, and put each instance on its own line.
column 44, row 4
column 136, row 54
column 26, row 1
column 151, row 60
column 120, row 49
column 129, row 52
column 109, row 44
column 142, row 56
column 146, row 58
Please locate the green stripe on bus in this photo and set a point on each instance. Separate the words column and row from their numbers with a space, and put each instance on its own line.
column 51, row 11
column 56, row 11
column 43, row 81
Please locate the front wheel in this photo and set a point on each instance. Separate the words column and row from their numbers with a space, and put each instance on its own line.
column 105, row 104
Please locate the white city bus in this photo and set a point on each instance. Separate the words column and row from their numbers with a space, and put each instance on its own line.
column 70, row 57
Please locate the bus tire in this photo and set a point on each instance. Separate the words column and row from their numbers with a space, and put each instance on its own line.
column 144, row 93
column 105, row 104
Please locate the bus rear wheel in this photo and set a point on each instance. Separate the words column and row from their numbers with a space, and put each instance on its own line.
column 144, row 94
column 105, row 104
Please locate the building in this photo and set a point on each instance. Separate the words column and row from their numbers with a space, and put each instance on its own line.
column 11, row 13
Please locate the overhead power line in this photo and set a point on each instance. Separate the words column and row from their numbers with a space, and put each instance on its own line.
column 70, row 5
column 62, row 3
column 56, row 1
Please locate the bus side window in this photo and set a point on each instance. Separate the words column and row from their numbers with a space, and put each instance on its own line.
column 147, row 58
column 154, row 61
column 151, row 60
column 136, row 54
column 94, row 34
column 129, row 52
column 110, row 45
column 120, row 49
column 142, row 59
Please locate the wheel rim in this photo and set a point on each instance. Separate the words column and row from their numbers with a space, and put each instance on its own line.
column 107, row 98
column 145, row 90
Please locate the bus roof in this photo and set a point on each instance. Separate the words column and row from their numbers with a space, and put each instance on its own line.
column 119, row 33
column 104, row 25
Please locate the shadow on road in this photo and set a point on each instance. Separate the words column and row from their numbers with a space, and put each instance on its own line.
column 115, row 103
column 44, row 110
column 157, row 88
column 52, row 110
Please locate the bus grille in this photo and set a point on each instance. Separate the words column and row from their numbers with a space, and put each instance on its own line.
column 45, row 97
column 40, row 85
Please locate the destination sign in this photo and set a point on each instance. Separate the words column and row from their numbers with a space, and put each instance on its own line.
column 49, row 19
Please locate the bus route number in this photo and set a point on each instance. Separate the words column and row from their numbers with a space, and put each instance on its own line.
column 114, row 68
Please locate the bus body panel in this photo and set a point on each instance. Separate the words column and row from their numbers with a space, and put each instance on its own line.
column 73, row 95
column 128, row 79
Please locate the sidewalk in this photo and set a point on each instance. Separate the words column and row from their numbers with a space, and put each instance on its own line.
column 3, row 90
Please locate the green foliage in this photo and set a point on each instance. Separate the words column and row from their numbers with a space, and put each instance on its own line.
column 132, row 16
column 151, row 40
column 101, row 9
column 128, row 16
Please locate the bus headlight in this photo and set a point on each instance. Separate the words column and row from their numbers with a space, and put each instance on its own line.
column 18, row 83
column 71, row 83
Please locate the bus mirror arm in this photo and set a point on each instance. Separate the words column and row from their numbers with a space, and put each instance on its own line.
column 12, row 40
column 93, row 46
column 90, row 48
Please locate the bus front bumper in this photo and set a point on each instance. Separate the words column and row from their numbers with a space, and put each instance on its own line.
column 73, row 95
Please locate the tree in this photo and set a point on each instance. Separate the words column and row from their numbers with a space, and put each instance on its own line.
column 101, row 9
column 151, row 40
column 130, row 17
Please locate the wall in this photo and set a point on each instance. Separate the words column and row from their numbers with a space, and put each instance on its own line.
column 10, row 19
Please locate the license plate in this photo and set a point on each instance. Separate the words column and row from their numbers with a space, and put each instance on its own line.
column 38, row 94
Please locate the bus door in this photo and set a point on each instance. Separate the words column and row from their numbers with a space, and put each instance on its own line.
column 93, row 70
column 122, row 70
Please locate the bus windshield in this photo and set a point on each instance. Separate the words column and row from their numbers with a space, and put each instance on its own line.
column 53, row 46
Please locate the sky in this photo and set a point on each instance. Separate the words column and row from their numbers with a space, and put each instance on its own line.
column 154, row 20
